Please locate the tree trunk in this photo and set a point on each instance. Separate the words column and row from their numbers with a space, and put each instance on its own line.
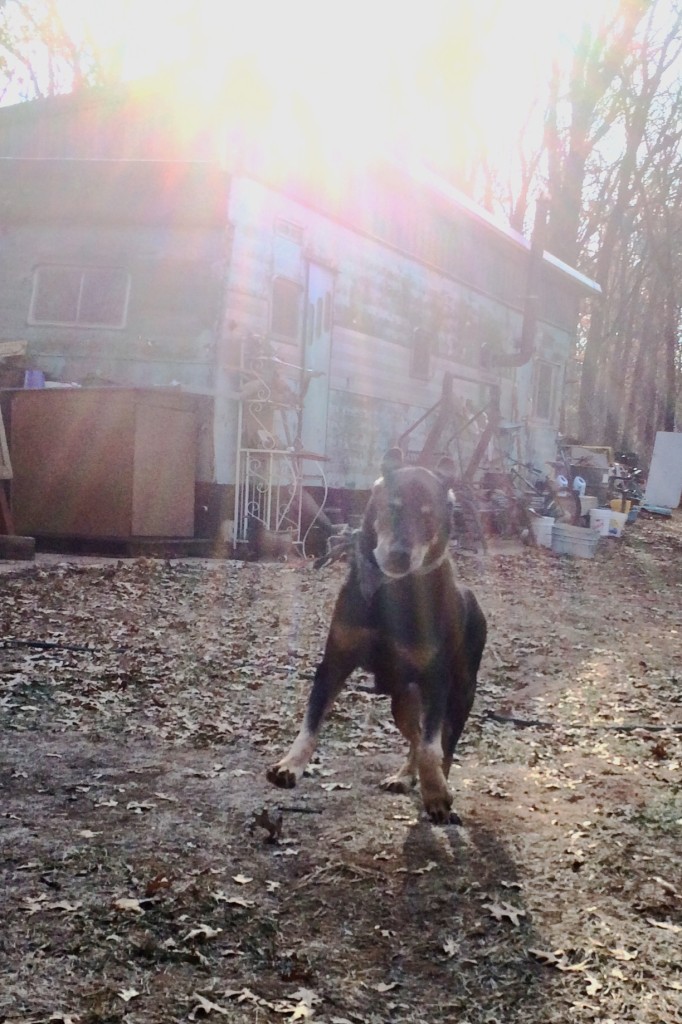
column 671, row 342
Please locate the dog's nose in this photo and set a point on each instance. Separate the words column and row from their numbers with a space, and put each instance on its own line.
column 400, row 560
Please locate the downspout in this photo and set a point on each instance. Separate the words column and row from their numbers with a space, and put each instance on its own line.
column 526, row 346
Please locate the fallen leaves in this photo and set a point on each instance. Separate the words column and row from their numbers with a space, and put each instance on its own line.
column 39, row 903
column 300, row 1006
column 134, row 795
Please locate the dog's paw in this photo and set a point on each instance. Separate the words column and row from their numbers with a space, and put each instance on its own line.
column 280, row 776
column 398, row 783
column 439, row 810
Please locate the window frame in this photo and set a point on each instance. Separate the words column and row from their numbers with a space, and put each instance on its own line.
column 83, row 270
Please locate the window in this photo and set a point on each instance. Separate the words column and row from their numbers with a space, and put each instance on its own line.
column 80, row 296
column 544, row 383
column 286, row 304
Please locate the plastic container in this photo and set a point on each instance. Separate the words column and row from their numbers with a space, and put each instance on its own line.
column 587, row 502
column 618, row 505
column 607, row 522
column 578, row 541
column 34, row 379
column 542, row 530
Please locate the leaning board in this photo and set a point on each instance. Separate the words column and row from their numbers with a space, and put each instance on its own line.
column 5, row 464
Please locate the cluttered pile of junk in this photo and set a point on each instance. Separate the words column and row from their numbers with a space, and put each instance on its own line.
column 593, row 494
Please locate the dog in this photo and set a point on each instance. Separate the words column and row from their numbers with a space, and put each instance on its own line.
column 401, row 616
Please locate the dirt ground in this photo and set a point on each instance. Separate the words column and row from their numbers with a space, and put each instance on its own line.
column 150, row 873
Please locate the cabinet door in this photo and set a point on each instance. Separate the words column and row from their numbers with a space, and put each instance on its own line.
column 164, row 469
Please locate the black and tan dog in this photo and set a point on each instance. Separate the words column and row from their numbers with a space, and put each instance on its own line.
column 401, row 616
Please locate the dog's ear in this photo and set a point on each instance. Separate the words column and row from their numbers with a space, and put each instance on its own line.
column 445, row 471
column 392, row 460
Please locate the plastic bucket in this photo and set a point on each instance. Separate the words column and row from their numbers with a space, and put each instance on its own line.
column 607, row 522
column 542, row 530
column 574, row 540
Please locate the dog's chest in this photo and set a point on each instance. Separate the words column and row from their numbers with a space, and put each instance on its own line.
column 409, row 619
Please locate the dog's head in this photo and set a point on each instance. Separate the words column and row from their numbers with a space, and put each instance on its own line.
column 407, row 521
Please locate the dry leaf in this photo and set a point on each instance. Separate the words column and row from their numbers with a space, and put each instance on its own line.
column 273, row 826
column 623, row 954
column 665, row 925
column 301, row 1012
column 155, row 884
column 127, row 994
column 505, row 910
column 128, row 905
column 205, row 1006
column 547, row 957
column 139, row 807
column 593, row 986
column 237, row 901
column 306, row 995
column 202, row 931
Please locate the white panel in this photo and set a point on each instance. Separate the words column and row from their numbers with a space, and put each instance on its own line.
column 664, row 483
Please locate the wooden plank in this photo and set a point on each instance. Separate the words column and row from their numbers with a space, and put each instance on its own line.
column 6, row 521
column 13, row 348
column 5, row 462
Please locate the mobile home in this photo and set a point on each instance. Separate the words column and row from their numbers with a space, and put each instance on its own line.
column 308, row 321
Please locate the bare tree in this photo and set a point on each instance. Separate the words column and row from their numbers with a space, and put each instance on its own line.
column 610, row 163
column 640, row 86
column 39, row 56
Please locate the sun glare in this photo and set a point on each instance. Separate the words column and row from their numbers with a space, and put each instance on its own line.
column 438, row 80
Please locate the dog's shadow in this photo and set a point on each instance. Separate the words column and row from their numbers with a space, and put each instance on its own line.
column 461, row 885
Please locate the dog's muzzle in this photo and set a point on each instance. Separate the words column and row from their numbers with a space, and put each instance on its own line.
column 396, row 560
column 397, row 563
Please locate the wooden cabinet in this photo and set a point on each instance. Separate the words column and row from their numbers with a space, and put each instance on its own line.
column 103, row 462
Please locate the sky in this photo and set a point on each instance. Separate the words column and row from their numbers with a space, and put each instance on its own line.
column 428, row 76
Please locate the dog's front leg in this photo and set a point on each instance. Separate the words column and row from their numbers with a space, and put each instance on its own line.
column 331, row 674
column 436, row 796
column 407, row 710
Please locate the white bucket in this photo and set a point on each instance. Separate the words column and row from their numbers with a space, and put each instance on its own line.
column 607, row 522
column 542, row 530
